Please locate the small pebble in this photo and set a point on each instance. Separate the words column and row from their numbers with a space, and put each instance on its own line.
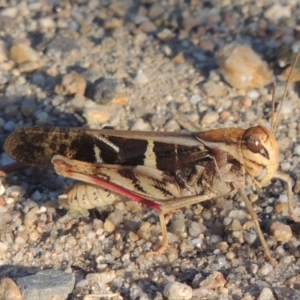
column 62, row 47
column 250, row 237
column 282, row 232
column 47, row 23
column 242, row 68
column 31, row 217
column 3, row 52
column 297, row 150
column 113, row 23
column 36, row 196
column 195, row 99
column 194, row 229
column 210, row 117
column 253, row 94
column 246, row 102
column 109, row 226
column 133, row 237
column 265, row 270
column 140, row 124
column 165, row 35
column 98, row 115
column 141, row 77
column 102, row 91
column 222, row 246
column 254, row 268
column 278, row 11
column 177, row 226
column 266, row 294
column 15, row 191
column 22, row 53
column 42, row 116
column 2, row 188
column 10, row 12
column 177, row 291
column 235, row 226
column 116, row 218
column 71, row 84
column 224, row 115
column 137, row 293
column 28, row 108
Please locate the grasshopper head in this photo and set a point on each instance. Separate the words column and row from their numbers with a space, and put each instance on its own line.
column 260, row 153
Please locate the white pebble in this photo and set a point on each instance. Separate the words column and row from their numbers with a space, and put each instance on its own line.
column 18, row 222
column 10, row 12
column 266, row 294
column 210, row 117
column 287, row 260
column 3, row 209
column 47, row 23
column 269, row 209
column 197, row 242
column 141, row 77
column 3, row 51
column 116, row 217
column 140, row 124
column 43, row 209
column 195, row 99
column 82, row 283
column 167, row 50
column 2, row 188
column 238, row 214
column 296, row 46
column 14, row 191
column 222, row 261
column 9, row 200
column 18, row 257
column 297, row 211
column 283, row 199
column 287, row 108
column 253, row 94
column 265, row 269
column 3, row 247
column 227, row 221
column 250, row 237
column 19, row 240
column 194, row 229
column 178, row 291
column 254, row 268
column 277, row 11
column 297, row 150
column 31, row 217
column 215, row 239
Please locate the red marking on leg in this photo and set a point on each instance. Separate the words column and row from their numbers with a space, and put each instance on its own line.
column 120, row 190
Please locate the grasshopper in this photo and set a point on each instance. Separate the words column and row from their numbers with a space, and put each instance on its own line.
column 163, row 170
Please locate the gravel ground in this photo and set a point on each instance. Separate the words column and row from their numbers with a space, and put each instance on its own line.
column 144, row 65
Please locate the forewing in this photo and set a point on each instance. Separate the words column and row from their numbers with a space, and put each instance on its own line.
column 165, row 151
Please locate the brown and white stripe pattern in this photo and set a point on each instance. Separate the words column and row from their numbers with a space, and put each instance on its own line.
column 164, row 151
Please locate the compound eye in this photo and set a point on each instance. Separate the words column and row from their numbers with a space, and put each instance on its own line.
column 258, row 140
column 253, row 143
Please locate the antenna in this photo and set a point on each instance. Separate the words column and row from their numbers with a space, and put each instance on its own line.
column 274, row 124
column 273, row 105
